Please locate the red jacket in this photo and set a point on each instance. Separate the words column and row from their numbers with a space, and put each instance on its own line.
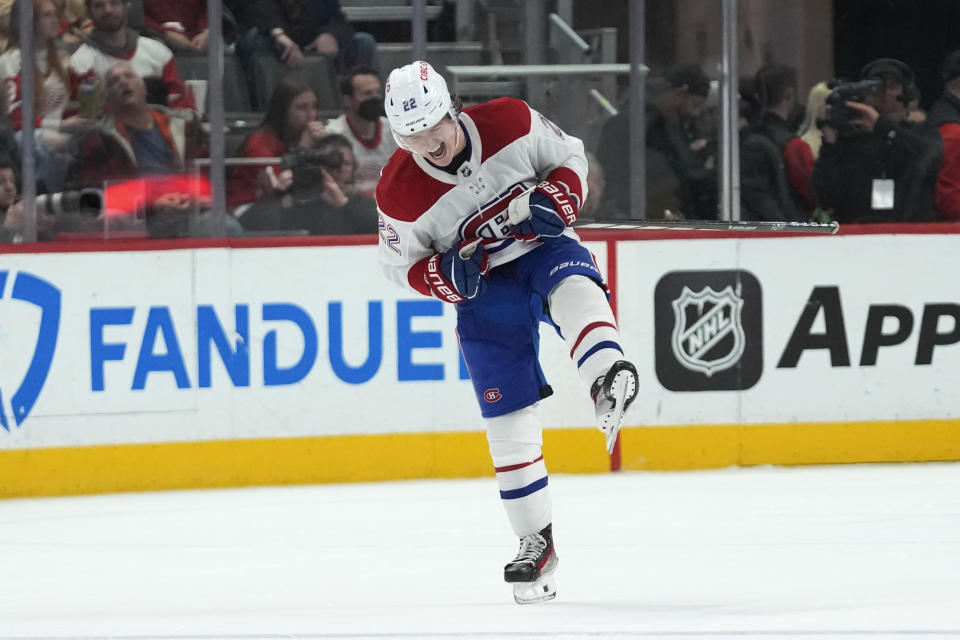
column 165, row 15
column 242, row 185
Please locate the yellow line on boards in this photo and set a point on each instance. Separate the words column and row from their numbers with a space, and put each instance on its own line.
column 402, row 456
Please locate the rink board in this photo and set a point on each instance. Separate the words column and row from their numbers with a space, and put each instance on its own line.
column 231, row 363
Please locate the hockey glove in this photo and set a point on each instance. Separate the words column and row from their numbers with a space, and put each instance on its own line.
column 459, row 273
column 535, row 214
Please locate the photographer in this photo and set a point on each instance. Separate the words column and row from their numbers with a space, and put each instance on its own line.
column 290, row 123
column 322, row 199
column 873, row 166
column 11, row 209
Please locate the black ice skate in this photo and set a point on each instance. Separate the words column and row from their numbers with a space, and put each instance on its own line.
column 612, row 394
column 531, row 572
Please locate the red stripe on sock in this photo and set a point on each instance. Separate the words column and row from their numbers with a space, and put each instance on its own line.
column 514, row 467
column 587, row 329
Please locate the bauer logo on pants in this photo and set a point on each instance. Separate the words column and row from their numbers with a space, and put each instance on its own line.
column 26, row 288
column 708, row 330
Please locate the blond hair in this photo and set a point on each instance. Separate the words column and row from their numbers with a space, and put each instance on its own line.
column 809, row 132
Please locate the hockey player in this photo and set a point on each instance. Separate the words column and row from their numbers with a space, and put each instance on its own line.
column 475, row 209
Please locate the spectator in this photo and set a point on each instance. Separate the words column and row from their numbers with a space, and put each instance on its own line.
column 680, row 167
column 873, row 167
column 9, row 149
column 112, row 41
column 290, row 123
column 776, row 164
column 364, row 124
column 291, row 27
column 323, row 201
column 673, row 131
column 8, row 184
column 181, row 23
column 11, row 209
column 74, row 24
column 596, row 183
column 809, row 132
column 137, row 140
column 944, row 116
column 55, row 118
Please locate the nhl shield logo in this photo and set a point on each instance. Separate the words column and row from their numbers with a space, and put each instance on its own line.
column 708, row 331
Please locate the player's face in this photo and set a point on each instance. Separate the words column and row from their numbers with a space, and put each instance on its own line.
column 438, row 144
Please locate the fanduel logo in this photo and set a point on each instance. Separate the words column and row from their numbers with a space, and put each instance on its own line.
column 40, row 293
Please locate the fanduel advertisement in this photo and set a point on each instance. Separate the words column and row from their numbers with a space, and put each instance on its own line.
column 147, row 346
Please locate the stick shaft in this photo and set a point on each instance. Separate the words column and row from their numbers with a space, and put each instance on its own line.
column 712, row 225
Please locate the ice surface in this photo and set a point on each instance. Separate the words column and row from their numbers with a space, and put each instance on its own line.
column 868, row 551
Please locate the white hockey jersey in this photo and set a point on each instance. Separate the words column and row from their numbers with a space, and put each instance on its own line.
column 371, row 156
column 150, row 58
column 424, row 210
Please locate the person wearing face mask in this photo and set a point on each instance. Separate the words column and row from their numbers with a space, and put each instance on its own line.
column 775, row 164
column 364, row 124
column 475, row 210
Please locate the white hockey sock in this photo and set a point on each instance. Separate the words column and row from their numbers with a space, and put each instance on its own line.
column 515, row 440
column 580, row 308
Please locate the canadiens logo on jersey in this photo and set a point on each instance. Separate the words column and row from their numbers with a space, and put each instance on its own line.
column 492, row 395
column 490, row 220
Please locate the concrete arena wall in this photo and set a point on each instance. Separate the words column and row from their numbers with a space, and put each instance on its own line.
column 156, row 365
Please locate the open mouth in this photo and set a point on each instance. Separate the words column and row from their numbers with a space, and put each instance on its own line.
column 437, row 153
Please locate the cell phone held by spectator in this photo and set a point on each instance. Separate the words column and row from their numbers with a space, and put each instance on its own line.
column 90, row 98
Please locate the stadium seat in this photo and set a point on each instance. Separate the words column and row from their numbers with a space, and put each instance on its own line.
column 317, row 70
column 236, row 98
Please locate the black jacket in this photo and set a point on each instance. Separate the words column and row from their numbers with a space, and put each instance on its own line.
column 945, row 110
column 765, row 191
column 844, row 173
column 698, row 184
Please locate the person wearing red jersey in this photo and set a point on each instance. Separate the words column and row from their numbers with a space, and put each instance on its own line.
column 55, row 117
column 475, row 210
column 182, row 24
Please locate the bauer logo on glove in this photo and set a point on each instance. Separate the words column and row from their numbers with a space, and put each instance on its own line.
column 541, row 213
column 459, row 273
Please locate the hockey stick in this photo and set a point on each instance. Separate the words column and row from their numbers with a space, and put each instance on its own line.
column 829, row 228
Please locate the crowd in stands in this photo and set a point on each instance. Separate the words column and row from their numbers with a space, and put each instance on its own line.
column 858, row 150
column 111, row 109
column 112, row 113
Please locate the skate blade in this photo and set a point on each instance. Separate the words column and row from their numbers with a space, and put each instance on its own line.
column 542, row 590
column 623, row 389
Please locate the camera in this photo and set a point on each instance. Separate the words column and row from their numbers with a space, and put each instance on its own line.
column 307, row 163
column 839, row 114
column 86, row 202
